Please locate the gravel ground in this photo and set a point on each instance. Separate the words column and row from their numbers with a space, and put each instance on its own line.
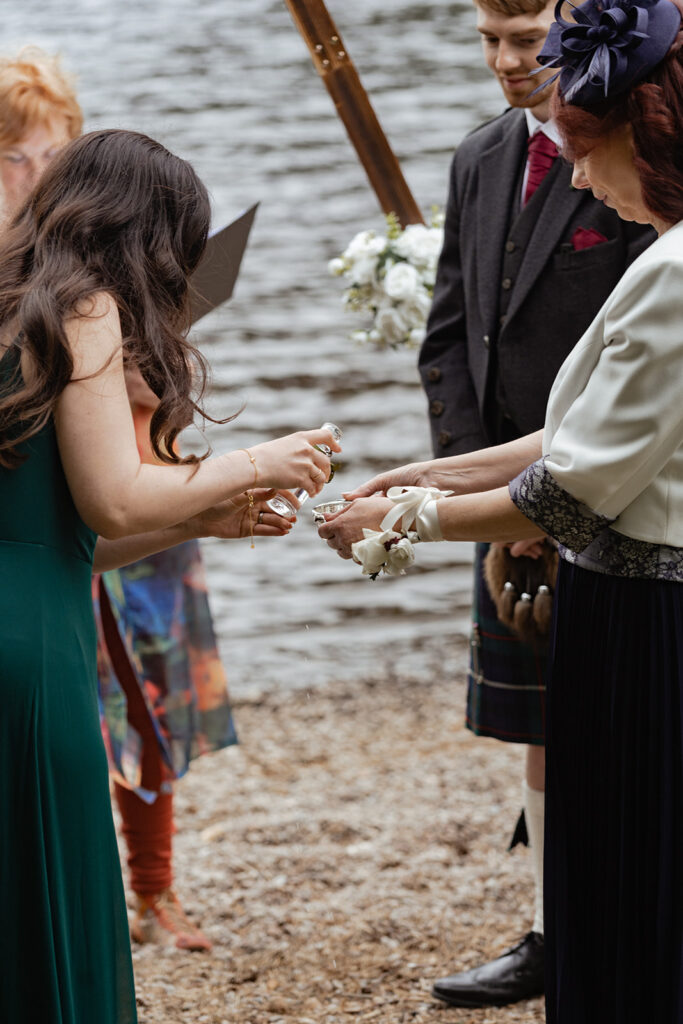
column 349, row 851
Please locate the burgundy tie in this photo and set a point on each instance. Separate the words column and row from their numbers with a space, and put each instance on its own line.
column 542, row 155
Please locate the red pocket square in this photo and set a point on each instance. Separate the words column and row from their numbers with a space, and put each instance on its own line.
column 584, row 238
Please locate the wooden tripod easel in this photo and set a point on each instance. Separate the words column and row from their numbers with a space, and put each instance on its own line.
column 343, row 83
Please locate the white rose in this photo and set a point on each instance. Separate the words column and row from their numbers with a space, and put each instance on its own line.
column 418, row 308
column 357, row 245
column 399, row 558
column 364, row 244
column 364, row 271
column 401, row 282
column 420, row 245
column 371, row 552
column 377, row 245
column 391, row 325
column 336, row 267
column 409, row 240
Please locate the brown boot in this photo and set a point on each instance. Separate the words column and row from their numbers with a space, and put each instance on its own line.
column 161, row 919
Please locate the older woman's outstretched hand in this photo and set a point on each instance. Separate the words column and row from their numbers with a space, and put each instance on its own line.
column 415, row 474
column 293, row 461
column 344, row 528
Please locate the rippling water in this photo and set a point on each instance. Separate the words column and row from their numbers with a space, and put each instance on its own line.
column 229, row 84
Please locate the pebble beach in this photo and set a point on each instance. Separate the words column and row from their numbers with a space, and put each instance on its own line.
column 348, row 852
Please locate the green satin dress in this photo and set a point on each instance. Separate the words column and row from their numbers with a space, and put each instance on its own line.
column 64, row 945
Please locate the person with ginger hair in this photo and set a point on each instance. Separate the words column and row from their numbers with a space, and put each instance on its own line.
column 39, row 113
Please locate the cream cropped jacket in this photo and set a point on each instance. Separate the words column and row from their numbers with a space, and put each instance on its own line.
column 610, row 484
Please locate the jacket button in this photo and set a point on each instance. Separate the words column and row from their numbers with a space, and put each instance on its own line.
column 507, row 283
column 510, row 246
column 434, row 373
column 445, row 438
column 436, row 407
column 486, row 340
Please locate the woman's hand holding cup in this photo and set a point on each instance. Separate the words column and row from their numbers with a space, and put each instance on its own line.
column 239, row 517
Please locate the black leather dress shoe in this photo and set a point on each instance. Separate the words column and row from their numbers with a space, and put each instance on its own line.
column 516, row 975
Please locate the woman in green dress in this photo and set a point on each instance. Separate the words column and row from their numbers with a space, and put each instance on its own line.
column 93, row 277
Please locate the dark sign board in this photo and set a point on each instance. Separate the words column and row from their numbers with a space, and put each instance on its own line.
column 214, row 279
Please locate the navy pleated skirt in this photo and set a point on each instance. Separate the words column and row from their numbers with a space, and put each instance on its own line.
column 614, row 804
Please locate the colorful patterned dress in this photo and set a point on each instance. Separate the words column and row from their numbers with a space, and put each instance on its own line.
column 161, row 607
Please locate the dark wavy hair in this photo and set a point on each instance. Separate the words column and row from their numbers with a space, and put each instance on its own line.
column 654, row 109
column 115, row 212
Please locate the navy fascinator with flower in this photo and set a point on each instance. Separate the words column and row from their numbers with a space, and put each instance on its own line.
column 608, row 47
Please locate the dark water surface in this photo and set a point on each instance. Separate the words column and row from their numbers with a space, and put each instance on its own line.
column 230, row 85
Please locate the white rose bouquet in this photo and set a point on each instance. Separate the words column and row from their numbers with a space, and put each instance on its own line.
column 392, row 277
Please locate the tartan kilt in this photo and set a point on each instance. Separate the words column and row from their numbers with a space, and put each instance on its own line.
column 506, row 678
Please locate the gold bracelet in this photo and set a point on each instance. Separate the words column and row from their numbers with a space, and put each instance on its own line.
column 250, row 498
column 253, row 462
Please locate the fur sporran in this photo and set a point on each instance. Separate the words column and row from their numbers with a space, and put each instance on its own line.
column 522, row 590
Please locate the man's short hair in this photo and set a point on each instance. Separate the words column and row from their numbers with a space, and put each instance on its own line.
column 513, row 8
column 34, row 89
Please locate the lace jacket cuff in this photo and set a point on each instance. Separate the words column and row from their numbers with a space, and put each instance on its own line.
column 540, row 498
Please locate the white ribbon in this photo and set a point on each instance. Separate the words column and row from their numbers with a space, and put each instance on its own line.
column 415, row 505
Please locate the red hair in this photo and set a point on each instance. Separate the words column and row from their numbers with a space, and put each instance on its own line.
column 513, row 8
column 34, row 89
column 654, row 110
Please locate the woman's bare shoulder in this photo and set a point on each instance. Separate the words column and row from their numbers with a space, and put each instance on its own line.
column 94, row 333
column 99, row 305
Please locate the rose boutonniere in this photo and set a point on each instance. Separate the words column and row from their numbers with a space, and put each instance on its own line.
column 391, row 551
column 387, row 551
